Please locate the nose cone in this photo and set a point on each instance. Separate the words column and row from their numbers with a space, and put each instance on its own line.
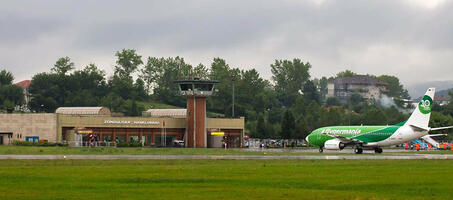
column 306, row 138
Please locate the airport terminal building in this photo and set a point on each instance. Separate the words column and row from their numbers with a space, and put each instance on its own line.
column 155, row 128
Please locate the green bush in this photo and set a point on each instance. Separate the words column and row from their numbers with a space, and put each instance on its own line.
column 135, row 144
column 43, row 144
column 122, row 144
column 22, row 143
column 131, row 144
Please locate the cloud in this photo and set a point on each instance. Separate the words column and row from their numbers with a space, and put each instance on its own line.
column 409, row 39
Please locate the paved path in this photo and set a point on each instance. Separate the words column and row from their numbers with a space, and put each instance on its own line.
column 226, row 157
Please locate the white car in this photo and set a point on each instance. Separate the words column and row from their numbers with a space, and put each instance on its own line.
column 178, row 143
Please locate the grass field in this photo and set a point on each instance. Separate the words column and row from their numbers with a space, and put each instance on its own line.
column 226, row 179
column 29, row 150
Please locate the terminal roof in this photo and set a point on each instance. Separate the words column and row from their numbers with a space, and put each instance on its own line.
column 83, row 111
column 197, row 81
column 174, row 113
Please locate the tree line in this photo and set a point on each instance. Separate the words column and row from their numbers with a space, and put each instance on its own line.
column 289, row 105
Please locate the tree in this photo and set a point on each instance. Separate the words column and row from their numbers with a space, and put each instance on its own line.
column 395, row 88
column 40, row 103
column 10, row 95
column 131, row 108
column 127, row 63
column 374, row 117
column 6, row 77
column 250, row 91
column 289, row 78
column 122, row 86
column 301, row 129
column 222, row 72
column 288, row 125
column 312, row 116
column 169, row 70
column 201, row 71
column 310, row 92
column 299, row 107
column 355, row 99
column 139, row 87
column 439, row 120
column 62, row 66
column 333, row 101
column 122, row 82
column 331, row 116
column 261, row 127
column 346, row 73
column 113, row 102
column 87, row 85
column 83, row 87
column 394, row 115
column 151, row 72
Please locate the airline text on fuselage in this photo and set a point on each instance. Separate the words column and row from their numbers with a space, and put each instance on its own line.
column 346, row 132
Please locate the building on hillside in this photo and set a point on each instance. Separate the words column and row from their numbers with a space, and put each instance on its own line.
column 441, row 100
column 366, row 86
column 25, row 84
column 408, row 103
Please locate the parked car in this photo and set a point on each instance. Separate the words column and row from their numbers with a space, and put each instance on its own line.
column 178, row 143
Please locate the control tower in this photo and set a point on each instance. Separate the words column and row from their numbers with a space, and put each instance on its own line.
column 196, row 91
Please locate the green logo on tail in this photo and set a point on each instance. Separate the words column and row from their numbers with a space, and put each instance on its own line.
column 425, row 104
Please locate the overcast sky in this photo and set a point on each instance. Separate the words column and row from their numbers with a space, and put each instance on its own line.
column 411, row 39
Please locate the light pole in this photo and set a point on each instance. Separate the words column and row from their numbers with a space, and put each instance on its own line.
column 233, row 77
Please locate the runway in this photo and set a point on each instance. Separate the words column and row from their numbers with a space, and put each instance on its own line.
column 228, row 157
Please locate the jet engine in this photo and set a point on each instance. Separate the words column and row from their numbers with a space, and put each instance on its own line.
column 334, row 144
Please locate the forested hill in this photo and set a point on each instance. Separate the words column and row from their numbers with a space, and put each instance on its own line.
column 444, row 93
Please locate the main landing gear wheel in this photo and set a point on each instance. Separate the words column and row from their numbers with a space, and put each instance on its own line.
column 378, row 150
column 358, row 150
column 321, row 150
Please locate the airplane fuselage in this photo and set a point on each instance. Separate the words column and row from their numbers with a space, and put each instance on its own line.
column 371, row 136
column 374, row 137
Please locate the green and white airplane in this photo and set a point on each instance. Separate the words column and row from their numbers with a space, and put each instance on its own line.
column 375, row 137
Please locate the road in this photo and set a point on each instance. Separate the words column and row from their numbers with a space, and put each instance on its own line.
column 227, row 157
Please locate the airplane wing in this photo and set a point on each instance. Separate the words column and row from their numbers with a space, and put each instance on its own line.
column 440, row 128
column 435, row 135
column 344, row 139
column 418, row 128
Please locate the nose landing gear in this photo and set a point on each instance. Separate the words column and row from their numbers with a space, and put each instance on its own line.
column 321, row 150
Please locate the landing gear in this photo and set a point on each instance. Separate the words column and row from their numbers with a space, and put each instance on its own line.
column 358, row 150
column 378, row 150
column 321, row 150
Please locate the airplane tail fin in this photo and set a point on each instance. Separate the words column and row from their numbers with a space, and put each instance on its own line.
column 421, row 114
